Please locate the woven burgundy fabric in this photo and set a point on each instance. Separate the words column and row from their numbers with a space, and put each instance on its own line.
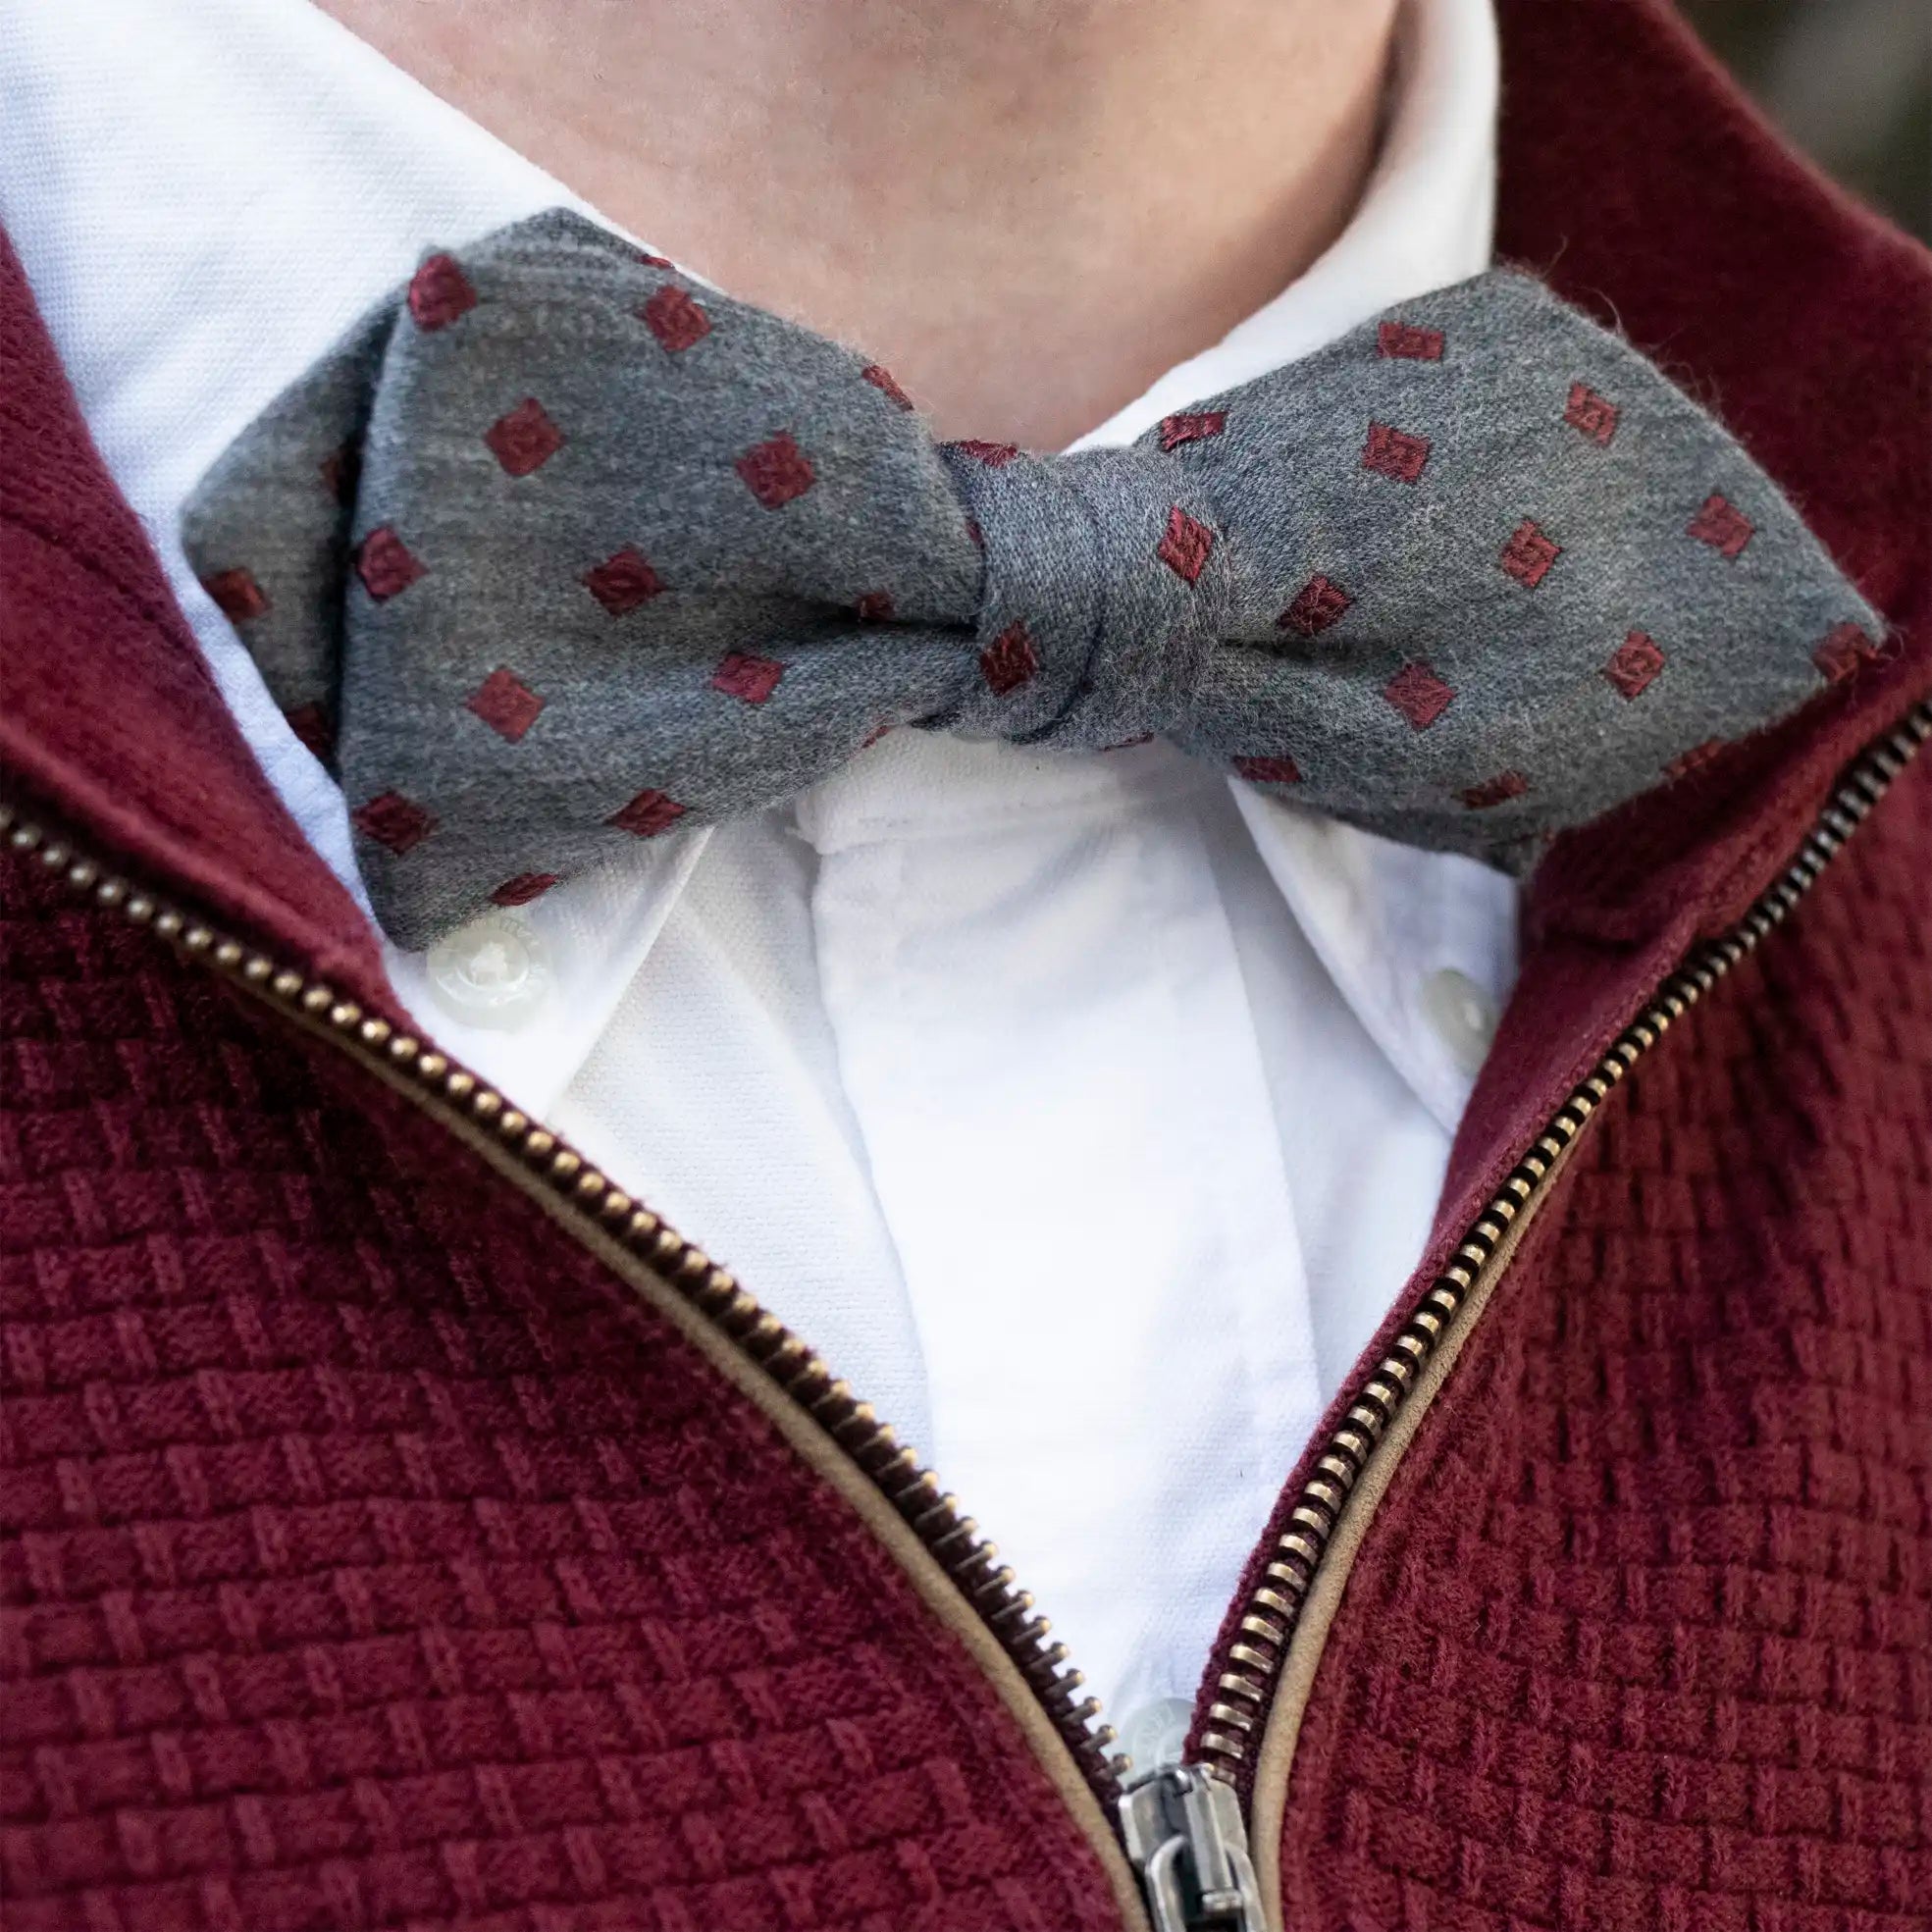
column 367, row 1560
column 1642, row 1636
column 371, row 1560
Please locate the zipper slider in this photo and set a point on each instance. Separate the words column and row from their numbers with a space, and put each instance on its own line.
column 1186, row 1840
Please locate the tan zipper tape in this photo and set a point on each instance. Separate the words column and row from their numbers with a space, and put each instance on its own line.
column 838, row 1436
column 826, row 1459
column 1273, row 1761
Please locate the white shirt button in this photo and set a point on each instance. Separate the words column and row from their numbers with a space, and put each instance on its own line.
column 1462, row 1014
column 1153, row 1735
column 495, row 971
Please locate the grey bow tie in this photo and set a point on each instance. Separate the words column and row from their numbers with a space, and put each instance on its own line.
column 559, row 549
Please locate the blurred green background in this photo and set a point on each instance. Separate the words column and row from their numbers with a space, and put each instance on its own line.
column 1849, row 79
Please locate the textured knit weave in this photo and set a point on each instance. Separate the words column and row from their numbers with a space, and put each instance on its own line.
column 368, row 1561
column 557, row 550
column 356, row 1541
column 1647, row 1641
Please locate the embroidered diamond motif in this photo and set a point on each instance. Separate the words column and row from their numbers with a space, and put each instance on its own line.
column 874, row 608
column 505, row 704
column 1504, row 786
column 1698, row 755
column 776, row 471
column 1528, row 555
column 314, row 727
column 882, row 379
column 1721, row 525
column 1591, row 415
column 1010, row 661
column 1394, row 452
column 1419, row 695
column 751, row 679
column 622, row 582
column 439, row 292
column 393, row 821
column 1191, row 426
column 522, row 889
column 676, row 319
column 1411, row 344
column 1269, row 772
column 1320, row 602
column 385, row 563
column 1635, row 663
column 1185, row 547
column 1842, row 650
column 647, row 815
column 995, row 456
column 236, row 595
column 525, row 438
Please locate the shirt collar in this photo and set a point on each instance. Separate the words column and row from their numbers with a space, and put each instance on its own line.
column 304, row 174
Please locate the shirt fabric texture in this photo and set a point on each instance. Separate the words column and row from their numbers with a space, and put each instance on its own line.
column 975, row 1046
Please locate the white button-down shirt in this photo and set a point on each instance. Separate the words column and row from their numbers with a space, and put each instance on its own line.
column 1085, row 1112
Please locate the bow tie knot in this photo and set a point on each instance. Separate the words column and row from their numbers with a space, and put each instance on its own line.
column 559, row 549
column 1102, row 596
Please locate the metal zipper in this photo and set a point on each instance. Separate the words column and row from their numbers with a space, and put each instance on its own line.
column 1247, row 1668
column 439, row 1084
column 1184, row 1826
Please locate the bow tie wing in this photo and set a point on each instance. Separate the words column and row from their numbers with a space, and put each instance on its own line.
column 560, row 551
column 1493, row 575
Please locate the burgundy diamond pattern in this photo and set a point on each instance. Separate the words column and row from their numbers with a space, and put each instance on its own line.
column 1320, row 602
column 1185, row 547
column 1269, row 772
column 676, row 319
column 1399, row 340
column 395, row 822
column 236, row 595
column 385, row 564
column 881, row 379
column 1722, row 525
column 1419, row 695
column 776, row 471
column 439, row 292
column 622, row 582
column 752, row 680
column 1591, row 415
column 522, row 889
column 1191, row 426
column 1637, row 662
column 525, row 438
column 1844, row 650
column 1395, row 453
column 1528, row 554
column 505, row 704
column 647, row 815
column 1392, row 574
column 1011, row 660
column 1499, row 789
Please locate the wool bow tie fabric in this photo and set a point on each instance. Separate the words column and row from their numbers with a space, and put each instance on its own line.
column 560, row 548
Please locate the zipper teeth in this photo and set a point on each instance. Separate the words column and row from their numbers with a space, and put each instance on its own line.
column 1253, row 1659
column 1241, row 1700
column 970, row 1560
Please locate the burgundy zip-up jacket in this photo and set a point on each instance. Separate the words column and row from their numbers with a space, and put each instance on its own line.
column 404, row 1529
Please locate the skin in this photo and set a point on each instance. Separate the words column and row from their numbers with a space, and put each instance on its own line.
column 1026, row 209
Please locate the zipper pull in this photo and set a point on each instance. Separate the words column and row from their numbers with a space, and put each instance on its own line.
column 1186, row 1838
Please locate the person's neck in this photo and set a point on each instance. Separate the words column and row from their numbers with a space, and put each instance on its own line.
column 1026, row 209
